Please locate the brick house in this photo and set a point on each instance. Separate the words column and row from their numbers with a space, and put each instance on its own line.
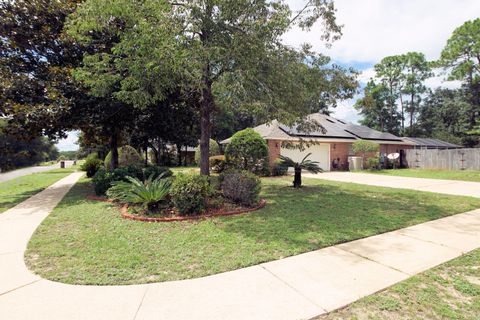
column 329, row 147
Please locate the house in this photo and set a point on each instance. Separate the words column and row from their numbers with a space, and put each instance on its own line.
column 332, row 147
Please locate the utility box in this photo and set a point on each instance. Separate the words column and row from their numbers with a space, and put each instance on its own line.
column 62, row 164
column 355, row 163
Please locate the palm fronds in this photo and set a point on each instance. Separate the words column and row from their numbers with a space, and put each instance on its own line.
column 148, row 193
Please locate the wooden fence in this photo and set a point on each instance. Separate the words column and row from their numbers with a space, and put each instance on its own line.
column 451, row 159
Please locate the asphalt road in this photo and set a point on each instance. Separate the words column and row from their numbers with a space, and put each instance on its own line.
column 29, row 170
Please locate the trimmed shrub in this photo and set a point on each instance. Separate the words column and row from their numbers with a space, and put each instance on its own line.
column 104, row 179
column 248, row 151
column 373, row 163
column 155, row 171
column 189, row 193
column 218, row 163
column 214, row 150
column 91, row 165
column 242, row 187
column 127, row 156
column 278, row 169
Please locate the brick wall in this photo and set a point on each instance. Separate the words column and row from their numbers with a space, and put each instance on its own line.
column 273, row 150
column 340, row 151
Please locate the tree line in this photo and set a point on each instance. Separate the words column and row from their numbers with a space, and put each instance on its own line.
column 150, row 73
column 398, row 101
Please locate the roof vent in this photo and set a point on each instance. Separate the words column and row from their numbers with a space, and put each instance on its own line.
column 329, row 120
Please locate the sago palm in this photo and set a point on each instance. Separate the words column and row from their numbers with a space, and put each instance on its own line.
column 148, row 194
column 309, row 165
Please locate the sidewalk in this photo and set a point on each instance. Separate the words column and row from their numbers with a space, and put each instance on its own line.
column 298, row 287
column 453, row 187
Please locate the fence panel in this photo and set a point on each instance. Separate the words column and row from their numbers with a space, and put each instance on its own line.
column 451, row 159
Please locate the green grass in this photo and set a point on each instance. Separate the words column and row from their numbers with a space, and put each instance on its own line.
column 14, row 191
column 450, row 291
column 86, row 242
column 464, row 175
column 188, row 169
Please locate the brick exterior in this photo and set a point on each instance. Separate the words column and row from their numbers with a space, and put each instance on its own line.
column 338, row 150
column 273, row 151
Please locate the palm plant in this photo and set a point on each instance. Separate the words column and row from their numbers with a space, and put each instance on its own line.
column 309, row 165
column 148, row 194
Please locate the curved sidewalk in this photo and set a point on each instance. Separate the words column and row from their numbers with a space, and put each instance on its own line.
column 453, row 187
column 298, row 287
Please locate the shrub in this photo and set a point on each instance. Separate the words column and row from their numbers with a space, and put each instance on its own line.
column 104, row 179
column 148, row 194
column 127, row 156
column 279, row 169
column 242, row 187
column 214, row 150
column 61, row 158
column 248, row 151
column 373, row 163
column 217, row 163
column 91, row 165
column 189, row 193
column 155, row 171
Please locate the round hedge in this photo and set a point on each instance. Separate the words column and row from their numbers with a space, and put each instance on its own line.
column 127, row 156
column 214, row 151
column 247, row 150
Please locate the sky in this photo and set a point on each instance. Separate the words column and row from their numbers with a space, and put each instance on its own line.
column 374, row 29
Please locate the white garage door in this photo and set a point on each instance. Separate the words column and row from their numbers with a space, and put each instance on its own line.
column 320, row 153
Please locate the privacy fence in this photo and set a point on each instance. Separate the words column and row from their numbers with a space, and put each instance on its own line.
column 452, row 159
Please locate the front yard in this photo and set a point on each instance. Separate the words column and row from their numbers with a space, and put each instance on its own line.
column 86, row 242
column 449, row 291
column 463, row 175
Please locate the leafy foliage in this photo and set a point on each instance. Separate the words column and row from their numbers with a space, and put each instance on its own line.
column 127, row 156
column 218, row 163
column 364, row 146
column 247, row 150
column 189, row 193
column 241, row 187
column 91, row 165
column 214, row 150
column 373, row 163
column 103, row 179
column 279, row 169
column 305, row 164
column 148, row 193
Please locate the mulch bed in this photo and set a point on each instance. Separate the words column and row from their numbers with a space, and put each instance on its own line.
column 208, row 214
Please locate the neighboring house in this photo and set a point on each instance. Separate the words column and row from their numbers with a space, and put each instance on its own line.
column 332, row 147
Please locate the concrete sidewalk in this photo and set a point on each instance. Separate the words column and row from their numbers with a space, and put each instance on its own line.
column 453, row 187
column 298, row 287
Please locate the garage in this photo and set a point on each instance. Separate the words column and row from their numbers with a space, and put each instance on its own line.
column 319, row 153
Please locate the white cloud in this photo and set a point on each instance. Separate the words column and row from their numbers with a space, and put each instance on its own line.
column 346, row 111
column 69, row 143
column 378, row 28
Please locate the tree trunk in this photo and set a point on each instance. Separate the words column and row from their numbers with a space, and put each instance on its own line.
column 205, row 125
column 179, row 155
column 114, row 149
column 297, row 180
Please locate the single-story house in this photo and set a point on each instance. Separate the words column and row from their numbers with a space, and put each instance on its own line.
column 332, row 147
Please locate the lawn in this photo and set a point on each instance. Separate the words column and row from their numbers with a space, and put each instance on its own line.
column 86, row 242
column 465, row 175
column 14, row 191
column 450, row 291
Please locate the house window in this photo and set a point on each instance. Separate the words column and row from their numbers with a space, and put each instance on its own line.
column 350, row 150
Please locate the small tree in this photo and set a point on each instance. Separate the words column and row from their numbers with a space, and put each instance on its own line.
column 364, row 146
column 247, row 151
column 309, row 165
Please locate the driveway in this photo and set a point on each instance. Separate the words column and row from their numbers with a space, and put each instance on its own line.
column 453, row 187
column 297, row 287
column 29, row 170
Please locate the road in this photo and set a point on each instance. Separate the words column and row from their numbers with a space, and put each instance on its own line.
column 29, row 170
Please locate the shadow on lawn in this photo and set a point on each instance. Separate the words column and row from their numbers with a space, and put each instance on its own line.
column 321, row 215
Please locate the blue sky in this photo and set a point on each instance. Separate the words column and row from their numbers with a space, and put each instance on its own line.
column 374, row 29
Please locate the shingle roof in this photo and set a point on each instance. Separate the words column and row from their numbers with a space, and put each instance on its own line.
column 334, row 129
column 431, row 143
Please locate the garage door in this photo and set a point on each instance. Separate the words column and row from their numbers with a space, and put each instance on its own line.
column 320, row 153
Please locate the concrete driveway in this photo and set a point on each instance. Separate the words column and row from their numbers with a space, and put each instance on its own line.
column 453, row 187
column 29, row 170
